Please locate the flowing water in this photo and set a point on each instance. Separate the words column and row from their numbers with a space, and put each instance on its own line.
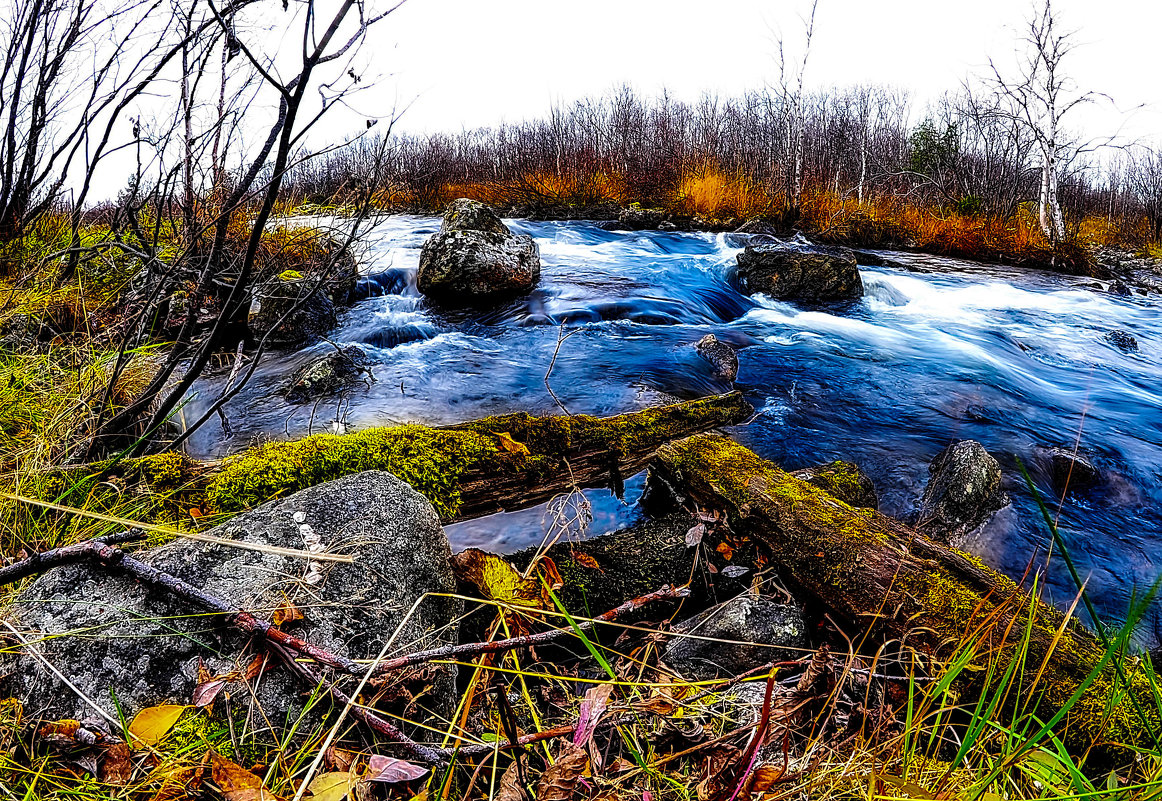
column 936, row 351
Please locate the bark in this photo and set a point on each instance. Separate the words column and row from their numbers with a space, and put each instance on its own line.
column 867, row 570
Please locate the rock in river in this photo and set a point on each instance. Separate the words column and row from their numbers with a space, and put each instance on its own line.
column 327, row 374
column 1122, row 340
column 721, row 355
column 963, row 492
column 790, row 271
column 111, row 635
column 474, row 258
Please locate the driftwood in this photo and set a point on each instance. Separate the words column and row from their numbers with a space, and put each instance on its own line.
column 871, row 572
column 468, row 470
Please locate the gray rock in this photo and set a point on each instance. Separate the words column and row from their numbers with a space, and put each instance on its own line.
column 734, row 637
column 963, row 492
column 721, row 355
column 278, row 297
column 1071, row 471
column 475, row 258
column 1122, row 340
column 327, row 374
column 111, row 635
column 1121, row 289
column 842, row 480
column 789, row 271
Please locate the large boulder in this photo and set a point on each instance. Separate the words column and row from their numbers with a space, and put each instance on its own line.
column 737, row 636
column 475, row 258
column 963, row 492
column 792, row 271
column 115, row 638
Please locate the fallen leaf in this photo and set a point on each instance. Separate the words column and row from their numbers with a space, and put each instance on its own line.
column 206, row 692
column 734, row 571
column 331, row 786
column 593, row 706
column 559, row 780
column 695, row 534
column 339, row 759
column 154, row 723
column 287, row 613
column 496, row 579
column 237, row 783
column 258, row 664
column 585, row 560
column 507, row 443
column 725, row 549
column 60, row 732
column 390, row 770
column 117, row 768
column 510, row 788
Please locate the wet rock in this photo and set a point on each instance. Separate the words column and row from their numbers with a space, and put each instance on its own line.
column 844, row 481
column 474, row 258
column 1122, row 340
column 737, row 636
column 110, row 634
column 327, row 374
column 1069, row 470
column 789, row 271
column 721, row 355
column 751, row 232
column 291, row 310
column 963, row 492
column 1121, row 289
column 635, row 217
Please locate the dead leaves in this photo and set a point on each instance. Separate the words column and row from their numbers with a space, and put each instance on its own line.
column 340, row 784
column 559, row 780
column 236, row 783
column 510, row 445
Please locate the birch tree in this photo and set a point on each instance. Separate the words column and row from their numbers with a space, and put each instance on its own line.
column 1043, row 97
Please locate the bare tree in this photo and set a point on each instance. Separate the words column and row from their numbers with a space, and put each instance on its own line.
column 1043, row 96
column 788, row 101
column 1144, row 178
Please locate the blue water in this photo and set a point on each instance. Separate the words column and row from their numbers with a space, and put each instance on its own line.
column 936, row 352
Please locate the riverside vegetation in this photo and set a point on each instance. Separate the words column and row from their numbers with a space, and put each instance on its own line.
column 289, row 621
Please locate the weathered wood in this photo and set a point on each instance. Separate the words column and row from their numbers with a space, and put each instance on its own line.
column 876, row 573
column 467, row 470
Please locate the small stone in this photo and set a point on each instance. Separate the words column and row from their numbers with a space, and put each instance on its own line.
column 721, row 355
column 964, row 491
column 1122, row 340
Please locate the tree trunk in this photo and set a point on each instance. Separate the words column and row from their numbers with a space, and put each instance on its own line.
column 866, row 569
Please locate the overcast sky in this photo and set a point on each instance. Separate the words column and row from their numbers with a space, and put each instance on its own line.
column 464, row 63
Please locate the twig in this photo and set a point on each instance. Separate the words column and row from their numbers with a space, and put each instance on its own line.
column 561, row 337
column 666, row 593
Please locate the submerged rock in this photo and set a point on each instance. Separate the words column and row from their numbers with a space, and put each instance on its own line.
column 964, row 491
column 1071, row 471
column 844, row 481
column 790, row 271
column 327, row 375
column 1122, row 340
column 721, row 355
column 737, row 636
column 474, row 258
column 115, row 637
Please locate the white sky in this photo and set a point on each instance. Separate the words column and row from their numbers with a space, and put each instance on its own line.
column 466, row 63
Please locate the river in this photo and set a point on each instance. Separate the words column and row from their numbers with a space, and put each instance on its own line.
column 938, row 350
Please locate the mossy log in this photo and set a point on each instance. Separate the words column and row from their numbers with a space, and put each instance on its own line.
column 467, row 470
column 874, row 572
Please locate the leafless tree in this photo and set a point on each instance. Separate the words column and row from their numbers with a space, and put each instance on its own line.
column 1043, row 97
column 788, row 100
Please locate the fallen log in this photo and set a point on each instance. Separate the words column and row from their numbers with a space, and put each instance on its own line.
column 467, row 470
column 876, row 573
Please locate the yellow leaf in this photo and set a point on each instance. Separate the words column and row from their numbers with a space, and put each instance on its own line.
column 154, row 723
column 331, row 786
column 507, row 443
column 496, row 579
